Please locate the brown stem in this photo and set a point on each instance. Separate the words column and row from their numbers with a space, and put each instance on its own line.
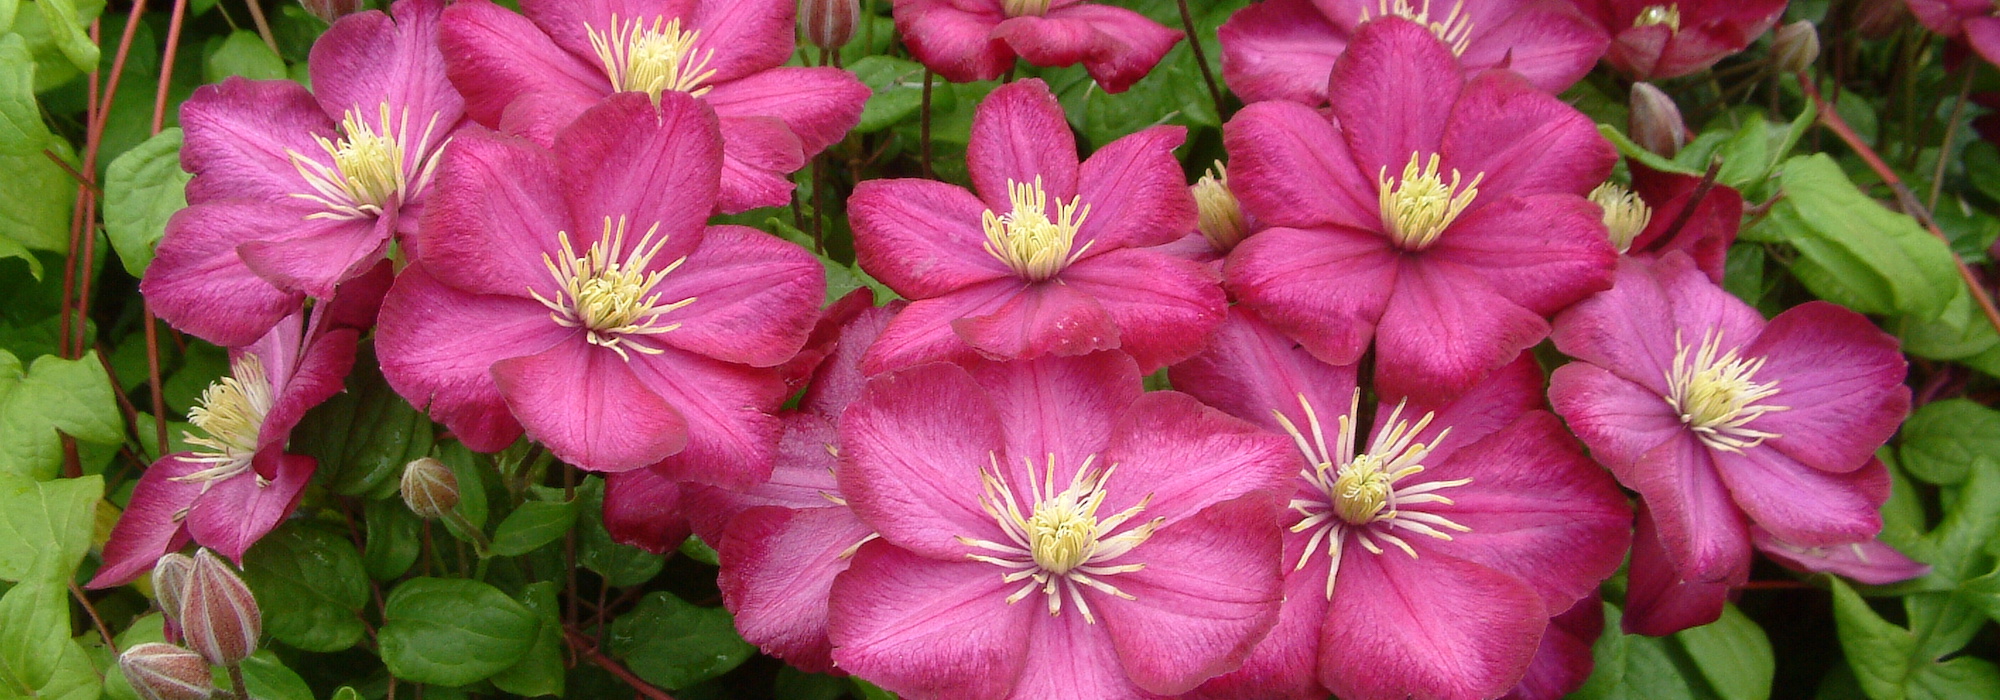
column 263, row 26
column 1950, row 133
column 1201, row 58
column 72, row 171
column 95, row 619
column 1694, row 200
column 583, row 646
column 236, row 681
column 153, row 378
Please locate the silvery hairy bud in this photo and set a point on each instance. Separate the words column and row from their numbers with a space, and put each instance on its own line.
column 1656, row 122
column 170, row 577
column 1796, row 46
column 330, row 10
column 219, row 616
column 829, row 24
column 429, row 488
column 166, row 672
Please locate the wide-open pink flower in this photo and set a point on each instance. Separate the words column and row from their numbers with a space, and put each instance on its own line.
column 1440, row 218
column 1427, row 560
column 532, row 75
column 1720, row 419
column 1047, row 530
column 1977, row 21
column 1049, row 257
column 295, row 192
column 1283, row 49
column 236, row 483
column 1657, row 40
column 967, row 40
column 1651, row 218
column 579, row 295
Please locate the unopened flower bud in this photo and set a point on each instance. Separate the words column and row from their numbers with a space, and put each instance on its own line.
column 1222, row 220
column 219, row 616
column 166, row 672
column 1655, row 121
column 170, row 577
column 429, row 488
column 330, row 10
column 1796, row 46
column 829, row 24
column 1625, row 215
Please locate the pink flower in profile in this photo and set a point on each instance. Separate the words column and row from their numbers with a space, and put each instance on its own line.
column 1659, row 40
column 579, row 295
column 1652, row 218
column 295, row 192
column 1427, row 560
column 235, row 483
column 1721, row 420
column 967, row 40
column 1049, row 257
column 1283, row 49
column 1659, row 600
column 1869, row 561
column 1439, row 218
column 533, row 75
column 1977, row 21
column 1047, row 530
column 1563, row 662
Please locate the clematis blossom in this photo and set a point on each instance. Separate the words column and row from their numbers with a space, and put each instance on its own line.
column 1428, row 559
column 1653, row 40
column 533, row 75
column 1283, row 49
column 1047, row 530
column 295, row 192
column 1651, row 218
column 1049, row 257
column 578, row 295
column 1975, row 21
column 1440, row 218
column 1869, row 561
column 968, row 40
column 1721, row 420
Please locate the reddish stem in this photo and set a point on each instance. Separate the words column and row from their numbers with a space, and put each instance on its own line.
column 584, row 646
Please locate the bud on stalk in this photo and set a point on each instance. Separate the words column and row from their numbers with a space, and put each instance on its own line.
column 829, row 24
column 170, row 577
column 219, row 616
column 429, row 488
column 1796, row 46
column 166, row 672
column 1655, row 121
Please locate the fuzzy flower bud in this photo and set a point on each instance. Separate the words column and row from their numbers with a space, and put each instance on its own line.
column 219, row 616
column 166, row 672
column 1795, row 47
column 1222, row 220
column 1655, row 121
column 829, row 24
column 429, row 488
column 330, row 10
column 170, row 577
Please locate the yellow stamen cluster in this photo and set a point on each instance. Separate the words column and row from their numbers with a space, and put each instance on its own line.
column 1717, row 395
column 1669, row 15
column 1060, row 546
column 1222, row 221
column 654, row 59
column 1420, row 205
column 1033, row 245
column 1454, row 29
column 371, row 169
column 1026, row 8
column 1625, row 215
column 230, row 417
column 609, row 293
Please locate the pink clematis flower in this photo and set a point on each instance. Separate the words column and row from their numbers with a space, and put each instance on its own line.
column 1640, row 219
column 1869, row 561
column 575, row 295
column 295, row 192
column 1441, row 219
column 1283, row 49
column 1655, row 40
column 1047, row 530
column 1720, row 419
column 1050, row 257
column 1563, row 662
column 1659, row 600
column 1428, row 560
column 1976, row 21
column 235, row 483
column 967, row 40
column 532, row 75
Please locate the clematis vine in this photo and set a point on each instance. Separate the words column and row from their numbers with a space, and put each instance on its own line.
column 1656, row 40
column 1049, row 257
column 295, row 192
column 578, row 295
column 1651, row 217
column 1047, row 530
column 1283, row 49
column 1425, row 556
column 1721, row 420
column 1440, row 218
column 968, row 40
column 533, row 75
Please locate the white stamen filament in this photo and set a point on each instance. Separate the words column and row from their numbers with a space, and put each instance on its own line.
column 1060, row 546
column 1026, row 239
column 1625, row 215
column 652, row 59
column 1419, row 206
column 230, row 417
column 371, row 167
column 611, row 294
column 1717, row 396
column 1454, row 29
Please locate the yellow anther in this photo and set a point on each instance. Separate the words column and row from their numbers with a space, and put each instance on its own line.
column 1420, row 205
column 610, row 294
column 1625, row 215
column 1669, row 15
column 1222, row 221
column 1032, row 244
column 1454, row 29
column 654, row 59
column 1716, row 394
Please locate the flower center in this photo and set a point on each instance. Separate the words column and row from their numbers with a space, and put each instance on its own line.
column 1358, row 493
column 1454, row 29
column 1026, row 8
column 1222, row 220
column 1625, row 215
column 1669, row 15
column 1717, row 396
column 1060, row 547
column 230, row 417
column 652, row 59
column 609, row 296
column 1026, row 239
column 1419, row 206
column 368, row 172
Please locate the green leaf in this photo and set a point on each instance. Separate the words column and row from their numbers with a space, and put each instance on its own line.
column 142, row 189
column 1854, row 252
column 619, row 564
column 794, row 684
column 267, row 678
column 48, row 522
column 1631, row 149
column 346, row 693
column 393, row 544
column 540, row 672
column 1941, row 439
column 1958, row 541
column 532, row 525
column 453, row 631
column 311, row 586
column 1632, row 667
column 470, row 470
column 673, row 643
column 67, row 23
column 22, row 131
column 1963, row 677
column 243, row 54
column 898, row 87
column 39, row 197
column 364, row 436
column 1733, row 654
column 1879, row 652
column 70, row 396
column 870, row 691
column 8, row 8
column 694, row 548
column 37, row 657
